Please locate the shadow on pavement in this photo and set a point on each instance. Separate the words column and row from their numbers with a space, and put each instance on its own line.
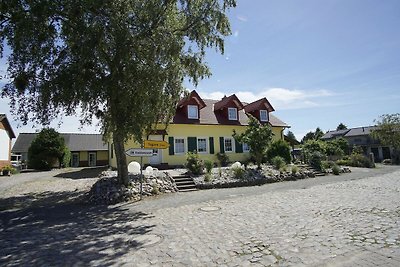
column 83, row 173
column 55, row 229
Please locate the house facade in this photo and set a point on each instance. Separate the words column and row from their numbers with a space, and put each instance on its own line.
column 360, row 136
column 206, row 126
column 6, row 136
column 87, row 150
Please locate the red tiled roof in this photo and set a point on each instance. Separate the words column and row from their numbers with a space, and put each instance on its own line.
column 224, row 101
column 260, row 104
column 210, row 115
column 193, row 95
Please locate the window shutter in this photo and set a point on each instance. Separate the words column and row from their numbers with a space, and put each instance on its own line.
column 171, row 145
column 192, row 144
column 238, row 147
column 221, row 145
column 211, row 141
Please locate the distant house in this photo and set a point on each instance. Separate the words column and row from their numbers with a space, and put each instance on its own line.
column 6, row 135
column 360, row 136
column 87, row 150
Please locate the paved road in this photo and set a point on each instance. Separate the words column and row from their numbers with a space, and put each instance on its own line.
column 327, row 221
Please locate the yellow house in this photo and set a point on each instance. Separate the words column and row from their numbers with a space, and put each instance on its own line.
column 206, row 126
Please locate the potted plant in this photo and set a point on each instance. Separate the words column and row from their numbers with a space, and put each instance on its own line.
column 7, row 170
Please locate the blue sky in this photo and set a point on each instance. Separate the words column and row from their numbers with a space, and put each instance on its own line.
column 318, row 62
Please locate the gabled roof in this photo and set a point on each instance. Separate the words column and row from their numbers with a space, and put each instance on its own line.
column 209, row 116
column 7, row 125
column 193, row 95
column 260, row 104
column 225, row 100
column 359, row 131
column 75, row 142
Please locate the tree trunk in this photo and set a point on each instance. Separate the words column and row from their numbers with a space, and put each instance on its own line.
column 122, row 166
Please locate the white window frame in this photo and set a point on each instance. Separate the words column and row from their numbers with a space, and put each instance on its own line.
column 266, row 115
column 229, row 114
column 233, row 145
column 184, row 146
column 202, row 152
column 197, row 112
column 248, row 148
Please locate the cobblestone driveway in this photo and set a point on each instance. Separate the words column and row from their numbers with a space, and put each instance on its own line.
column 350, row 223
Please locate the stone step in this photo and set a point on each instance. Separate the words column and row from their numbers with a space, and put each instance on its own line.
column 178, row 183
column 182, row 179
column 188, row 190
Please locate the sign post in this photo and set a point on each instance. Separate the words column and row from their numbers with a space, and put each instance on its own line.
column 140, row 152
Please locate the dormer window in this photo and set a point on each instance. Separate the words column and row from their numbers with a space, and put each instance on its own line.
column 263, row 115
column 193, row 112
column 232, row 114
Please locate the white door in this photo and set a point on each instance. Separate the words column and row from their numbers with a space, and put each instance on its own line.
column 92, row 159
column 157, row 153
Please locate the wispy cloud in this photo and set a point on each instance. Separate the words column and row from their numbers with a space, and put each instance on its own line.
column 241, row 18
column 280, row 98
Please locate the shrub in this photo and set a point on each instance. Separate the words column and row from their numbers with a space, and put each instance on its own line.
column 295, row 169
column 9, row 169
column 238, row 172
column 209, row 165
column 278, row 162
column 345, row 162
column 315, row 160
column 207, row 177
column 66, row 159
column 279, row 148
column 223, row 159
column 194, row 164
column 358, row 160
column 155, row 190
column 336, row 169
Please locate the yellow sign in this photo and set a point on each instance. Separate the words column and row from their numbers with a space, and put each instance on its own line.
column 155, row 144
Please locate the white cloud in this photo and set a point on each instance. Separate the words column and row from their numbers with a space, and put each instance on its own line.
column 242, row 18
column 280, row 98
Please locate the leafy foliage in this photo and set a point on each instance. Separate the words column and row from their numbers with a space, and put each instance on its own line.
column 316, row 159
column 194, row 164
column 341, row 126
column 279, row 148
column 313, row 135
column 208, row 164
column 336, row 169
column 258, row 137
column 46, row 150
column 223, row 159
column 388, row 132
column 278, row 162
column 120, row 61
column 312, row 146
column 238, row 172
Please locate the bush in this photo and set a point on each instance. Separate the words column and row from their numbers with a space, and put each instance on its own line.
column 315, row 160
column 9, row 169
column 358, row 160
column 279, row 148
column 223, row 159
column 207, row 177
column 238, row 172
column 66, row 159
column 295, row 169
column 208, row 164
column 278, row 162
column 194, row 164
column 336, row 169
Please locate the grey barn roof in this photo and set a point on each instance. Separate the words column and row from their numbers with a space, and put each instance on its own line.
column 75, row 142
column 359, row 131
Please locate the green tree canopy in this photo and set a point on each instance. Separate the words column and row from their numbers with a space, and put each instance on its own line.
column 47, row 149
column 313, row 135
column 341, row 126
column 122, row 61
column 279, row 148
column 257, row 136
column 388, row 132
